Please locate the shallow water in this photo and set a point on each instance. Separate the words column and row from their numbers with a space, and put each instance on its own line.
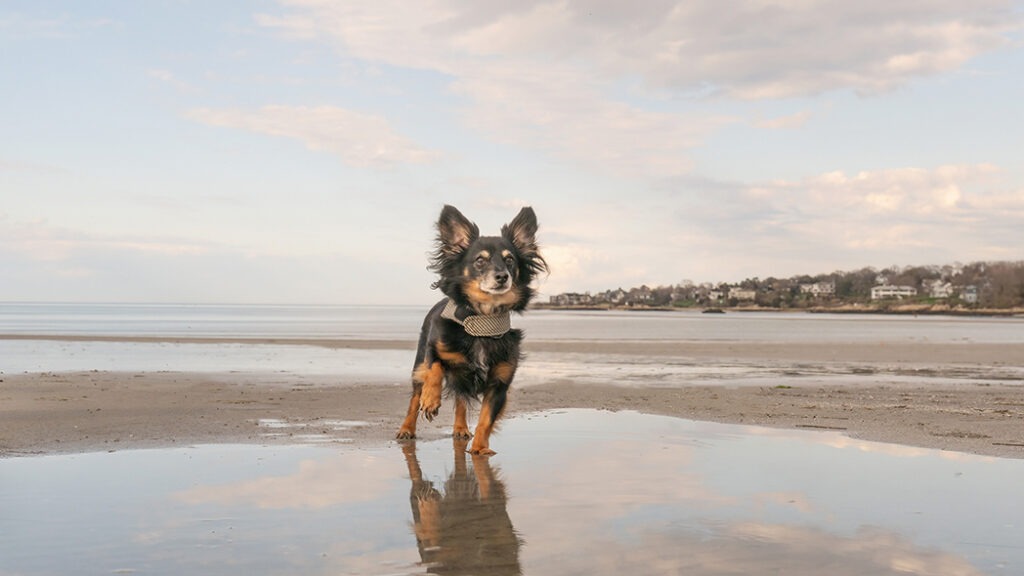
column 403, row 323
column 570, row 492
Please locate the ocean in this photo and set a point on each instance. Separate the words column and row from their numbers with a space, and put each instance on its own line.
column 388, row 333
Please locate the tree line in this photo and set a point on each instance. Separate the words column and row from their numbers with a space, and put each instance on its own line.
column 979, row 285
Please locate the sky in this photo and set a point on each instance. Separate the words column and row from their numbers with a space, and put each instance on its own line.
column 300, row 151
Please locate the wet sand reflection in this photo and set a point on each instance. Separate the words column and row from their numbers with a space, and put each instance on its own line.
column 462, row 527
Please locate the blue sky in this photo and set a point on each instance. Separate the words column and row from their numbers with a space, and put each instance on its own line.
column 299, row 151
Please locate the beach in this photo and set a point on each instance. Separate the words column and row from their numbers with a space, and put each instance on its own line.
column 962, row 397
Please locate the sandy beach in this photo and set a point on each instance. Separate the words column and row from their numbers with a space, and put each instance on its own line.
column 100, row 411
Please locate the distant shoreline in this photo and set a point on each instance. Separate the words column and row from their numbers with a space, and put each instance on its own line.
column 892, row 310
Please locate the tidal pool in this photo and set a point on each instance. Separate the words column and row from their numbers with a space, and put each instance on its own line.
column 570, row 492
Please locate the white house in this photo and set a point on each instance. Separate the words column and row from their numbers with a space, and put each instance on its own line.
column 969, row 294
column 940, row 289
column 819, row 288
column 742, row 293
column 889, row 291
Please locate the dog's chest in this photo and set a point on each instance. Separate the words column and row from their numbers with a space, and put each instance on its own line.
column 482, row 356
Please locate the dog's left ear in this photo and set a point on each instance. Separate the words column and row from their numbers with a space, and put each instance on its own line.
column 522, row 232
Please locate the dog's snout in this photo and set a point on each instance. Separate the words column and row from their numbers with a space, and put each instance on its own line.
column 501, row 278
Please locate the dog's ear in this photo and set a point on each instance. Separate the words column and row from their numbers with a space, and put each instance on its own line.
column 454, row 231
column 522, row 231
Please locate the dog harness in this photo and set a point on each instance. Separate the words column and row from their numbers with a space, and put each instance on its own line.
column 492, row 325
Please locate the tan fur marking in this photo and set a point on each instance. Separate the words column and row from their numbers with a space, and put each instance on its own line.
column 486, row 303
column 407, row 430
column 430, row 399
column 461, row 429
column 448, row 356
column 484, row 426
column 502, row 371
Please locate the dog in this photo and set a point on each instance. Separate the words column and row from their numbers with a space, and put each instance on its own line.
column 467, row 347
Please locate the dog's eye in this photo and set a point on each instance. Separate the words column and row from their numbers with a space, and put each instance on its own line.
column 480, row 262
column 510, row 261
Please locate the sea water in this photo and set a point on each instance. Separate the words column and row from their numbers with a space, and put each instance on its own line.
column 374, row 343
column 403, row 323
column 571, row 492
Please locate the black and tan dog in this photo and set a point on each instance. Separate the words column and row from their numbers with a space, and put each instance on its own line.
column 467, row 347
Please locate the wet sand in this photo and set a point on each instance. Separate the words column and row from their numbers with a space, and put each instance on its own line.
column 97, row 411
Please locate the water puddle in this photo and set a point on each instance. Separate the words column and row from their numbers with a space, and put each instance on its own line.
column 570, row 492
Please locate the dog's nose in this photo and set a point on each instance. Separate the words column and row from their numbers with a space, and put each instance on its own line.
column 501, row 278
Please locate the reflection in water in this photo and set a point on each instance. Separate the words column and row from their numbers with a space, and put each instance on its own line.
column 595, row 493
column 465, row 527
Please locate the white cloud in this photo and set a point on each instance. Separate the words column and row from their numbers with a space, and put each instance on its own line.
column 350, row 477
column 943, row 192
column 56, row 27
column 566, row 76
column 785, row 122
column 169, row 78
column 359, row 139
column 728, row 231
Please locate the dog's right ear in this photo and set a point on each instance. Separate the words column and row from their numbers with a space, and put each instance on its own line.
column 454, row 231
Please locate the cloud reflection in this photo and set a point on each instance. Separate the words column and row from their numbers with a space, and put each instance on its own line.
column 348, row 478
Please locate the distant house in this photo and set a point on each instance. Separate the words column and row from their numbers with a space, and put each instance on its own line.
column 889, row 291
column 571, row 299
column 641, row 295
column 819, row 288
column 969, row 294
column 716, row 295
column 940, row 289
column 742, row 293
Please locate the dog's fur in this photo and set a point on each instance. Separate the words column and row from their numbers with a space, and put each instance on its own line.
column 481, row 275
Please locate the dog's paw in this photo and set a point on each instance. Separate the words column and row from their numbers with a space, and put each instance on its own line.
column 461, row 434
column 404, row 434
column 430, row 406
column 482, row 452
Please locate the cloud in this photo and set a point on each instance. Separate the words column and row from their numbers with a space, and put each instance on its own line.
column 600, row 83
column 838, row 220
column 57, row 27
column 759, row 50
column 785, row 122
column 348, row 478
column 40, row 261
column 169, row 78
column 32, row 168
column 359, row 139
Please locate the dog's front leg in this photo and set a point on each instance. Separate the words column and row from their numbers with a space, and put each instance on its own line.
column 492, row 407
column 461, row 429
column 430, row 398
column 408, row 429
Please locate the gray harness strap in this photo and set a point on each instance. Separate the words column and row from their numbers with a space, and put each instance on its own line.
column 492, row 325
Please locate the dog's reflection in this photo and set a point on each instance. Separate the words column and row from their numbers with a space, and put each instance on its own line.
column 463, row 527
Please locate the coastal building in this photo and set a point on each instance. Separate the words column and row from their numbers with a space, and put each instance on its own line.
column 571, row 299
column 742, row 293
column 940, row 289
column 889, row 291
column 969, row 294
column 819, row 288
